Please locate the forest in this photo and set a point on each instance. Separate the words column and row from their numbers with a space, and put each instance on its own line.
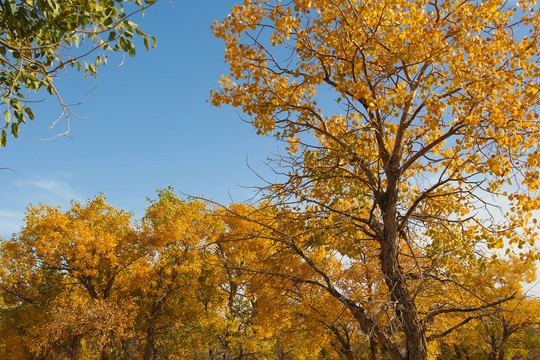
column 402, row 224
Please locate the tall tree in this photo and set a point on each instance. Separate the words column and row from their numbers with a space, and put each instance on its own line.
column 506, row 331
column 89, row 283
column 181, row 298
column 268, row 315
column 509, row 331
column 64, row 275
column 40, row 38
column 410, row 126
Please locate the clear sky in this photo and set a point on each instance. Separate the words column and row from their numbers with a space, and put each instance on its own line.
column 146, row 125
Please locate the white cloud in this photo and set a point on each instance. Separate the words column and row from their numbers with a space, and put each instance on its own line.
column 50, row 190
column 10, row 222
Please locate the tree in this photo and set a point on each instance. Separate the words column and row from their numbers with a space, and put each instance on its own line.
column 267, row 315
column 39, row 39
column 181, row 298
column 410, row 126
column 64, row 281
column 509, row 331
column 89, row 283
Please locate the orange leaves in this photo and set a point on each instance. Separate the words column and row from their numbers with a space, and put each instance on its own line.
column 403, row 122
column 94, row 281
column 90, row 241
column 247, row 279
column 445, row 82
column 109, row 322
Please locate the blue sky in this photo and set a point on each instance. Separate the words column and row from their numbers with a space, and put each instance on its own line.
column 146, row 125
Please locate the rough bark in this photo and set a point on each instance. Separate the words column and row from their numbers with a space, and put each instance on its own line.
column 373, row 348
column 405, row 308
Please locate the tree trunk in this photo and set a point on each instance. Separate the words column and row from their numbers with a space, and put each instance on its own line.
column 373, row 348
column 344, row 340
column 404, row 307
column 149, row 347
column 104, row 355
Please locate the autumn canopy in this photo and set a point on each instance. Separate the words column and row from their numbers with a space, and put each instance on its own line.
column 408, row 124
column 402, row 226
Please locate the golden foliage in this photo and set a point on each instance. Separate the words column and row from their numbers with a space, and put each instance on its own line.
column 411, row 132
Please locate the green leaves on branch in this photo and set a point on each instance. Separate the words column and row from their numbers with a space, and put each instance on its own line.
column 39, row 38
column 16, row 112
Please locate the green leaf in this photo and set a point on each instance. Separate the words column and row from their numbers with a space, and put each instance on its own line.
column 139, row 32
column 124, row 43
column 66, row 24
column 3, row 139
column 18, row 115
column 16, row 104
column 12, row 6
column 15, row 130
column 131, row 24
column 29, row 113
column 7, row 116
column 146, row 43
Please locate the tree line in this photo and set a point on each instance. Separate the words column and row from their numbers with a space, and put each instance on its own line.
column 192, row 281
column 400, row 228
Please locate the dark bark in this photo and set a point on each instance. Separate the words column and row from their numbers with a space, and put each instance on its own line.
column 368, row 326
column 149, row 347
column 344, row 341
column 104, row 354
column 405, row 308
column 155, row 313
column 373, row 348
